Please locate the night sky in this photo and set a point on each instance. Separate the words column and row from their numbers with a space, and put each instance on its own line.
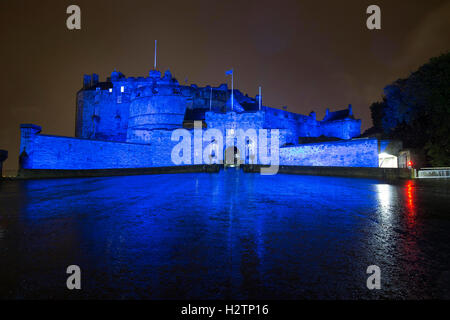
column 307, row 55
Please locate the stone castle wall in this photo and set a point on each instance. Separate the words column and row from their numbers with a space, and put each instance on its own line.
column 296, row 125
column 344, row 129
column 54, row 152
column 102, row 114
column 353, row 153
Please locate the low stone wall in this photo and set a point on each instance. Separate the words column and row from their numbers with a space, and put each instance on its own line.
column 51, row 174
column 356, row 172
column 349, row 153
column 46, row 152
column 38, row 151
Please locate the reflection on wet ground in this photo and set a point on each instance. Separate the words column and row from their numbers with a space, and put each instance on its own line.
column 226, row 235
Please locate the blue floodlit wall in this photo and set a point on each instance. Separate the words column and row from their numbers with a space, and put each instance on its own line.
column 38, row 151
column 298, row 125
column 233, row 120
column 344, row 129
column 265, row 119
column 280, row 119
column 53, row 152
column 117, row 109
column 102, row 112
column 353, row 153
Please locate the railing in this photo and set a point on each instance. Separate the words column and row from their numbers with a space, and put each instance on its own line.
column 429, row 173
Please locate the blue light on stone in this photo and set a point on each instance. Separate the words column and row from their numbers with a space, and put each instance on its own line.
column 133, row 128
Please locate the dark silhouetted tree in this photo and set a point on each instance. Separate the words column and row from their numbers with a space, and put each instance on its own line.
column 377, row 111
column 417, row 110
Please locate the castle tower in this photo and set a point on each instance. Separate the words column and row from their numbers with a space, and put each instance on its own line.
column 159, row 105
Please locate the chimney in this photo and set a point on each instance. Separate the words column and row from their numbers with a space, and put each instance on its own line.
column 86, row 81
column 94, row 79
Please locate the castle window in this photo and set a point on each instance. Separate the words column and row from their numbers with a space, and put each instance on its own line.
column 122, row 89
column 118, row 122
column 119, row 99
column 110, row 89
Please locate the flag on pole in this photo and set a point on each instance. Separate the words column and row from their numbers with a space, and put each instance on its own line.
column 229, row 72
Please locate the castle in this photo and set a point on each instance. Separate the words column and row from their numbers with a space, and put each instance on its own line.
column 130, row 109
column 129, row 123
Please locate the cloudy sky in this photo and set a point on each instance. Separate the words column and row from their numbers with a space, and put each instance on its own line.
column 307, row 55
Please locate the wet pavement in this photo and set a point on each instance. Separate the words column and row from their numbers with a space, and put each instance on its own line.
column 226, row 236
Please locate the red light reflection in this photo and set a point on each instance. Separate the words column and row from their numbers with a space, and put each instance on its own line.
column 410, row 201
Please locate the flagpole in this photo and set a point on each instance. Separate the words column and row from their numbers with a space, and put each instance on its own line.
column 259, row 98
column 154, row 65
column 232, row 86
column 210, row 99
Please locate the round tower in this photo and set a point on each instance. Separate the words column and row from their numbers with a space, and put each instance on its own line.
column 160, row 105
